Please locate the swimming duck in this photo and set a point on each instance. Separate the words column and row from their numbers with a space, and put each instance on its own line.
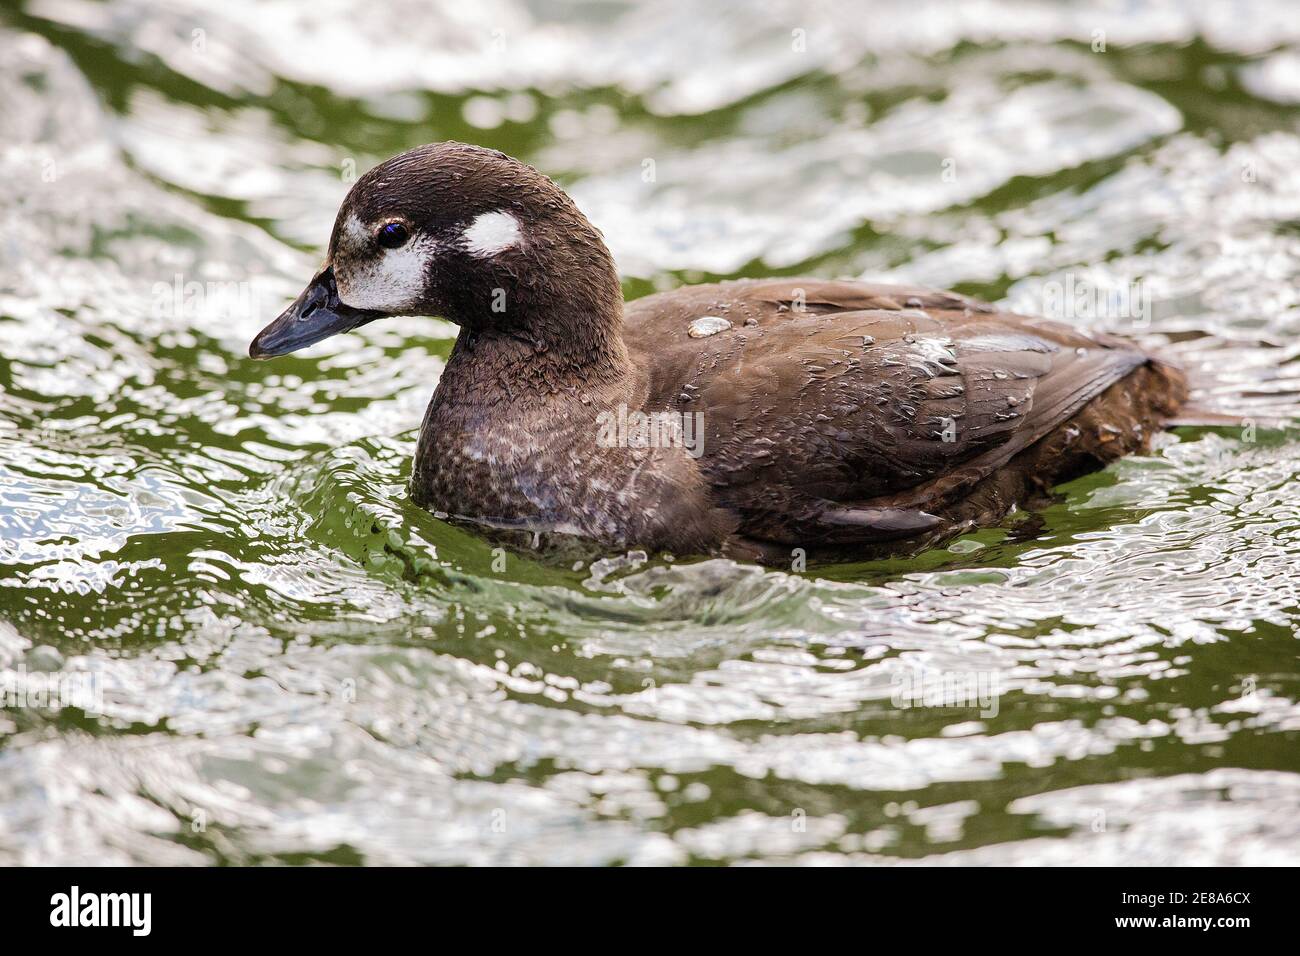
column 751, row 418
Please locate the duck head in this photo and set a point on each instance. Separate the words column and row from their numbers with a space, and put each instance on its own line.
column 464, row 233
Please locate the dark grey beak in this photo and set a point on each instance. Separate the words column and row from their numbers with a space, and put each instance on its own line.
column 317, row 314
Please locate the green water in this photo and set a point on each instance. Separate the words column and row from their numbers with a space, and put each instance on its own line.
column 288, row 662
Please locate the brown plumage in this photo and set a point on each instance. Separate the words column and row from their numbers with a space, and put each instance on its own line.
column 838, row 417
column 843, row 416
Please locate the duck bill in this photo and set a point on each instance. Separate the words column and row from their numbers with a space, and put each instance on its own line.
column 315, row 315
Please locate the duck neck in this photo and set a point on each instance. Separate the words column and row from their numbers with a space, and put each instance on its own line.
column 530, row 363
column 540, row 336
column 544, row 365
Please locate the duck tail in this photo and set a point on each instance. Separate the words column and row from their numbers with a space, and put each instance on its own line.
column 1236, row 385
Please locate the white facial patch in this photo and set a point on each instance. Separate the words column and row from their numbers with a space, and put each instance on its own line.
column 390, row 280
column 491, row 234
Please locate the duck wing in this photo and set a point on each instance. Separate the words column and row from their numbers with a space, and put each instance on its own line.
column 842, row 412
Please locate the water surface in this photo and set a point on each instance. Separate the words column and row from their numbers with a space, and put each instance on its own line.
column 291, row 663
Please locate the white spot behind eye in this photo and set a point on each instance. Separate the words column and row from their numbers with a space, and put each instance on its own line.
column 491, row 233
column 386, row 280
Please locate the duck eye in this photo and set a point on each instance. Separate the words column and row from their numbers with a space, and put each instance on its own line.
column 393, row 234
